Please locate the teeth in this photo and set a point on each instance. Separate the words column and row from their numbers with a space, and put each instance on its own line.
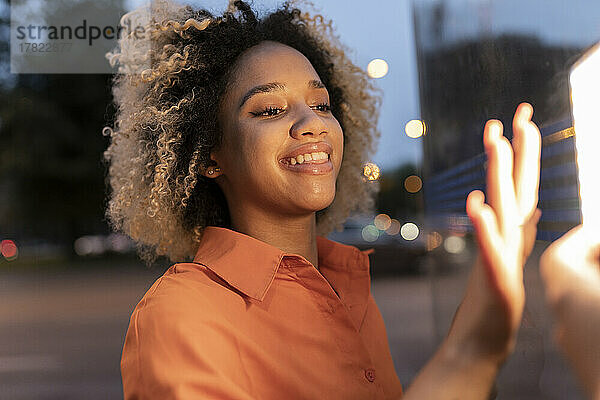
column 301, row 158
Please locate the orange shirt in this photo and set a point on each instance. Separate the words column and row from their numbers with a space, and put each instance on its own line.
column 247, row 321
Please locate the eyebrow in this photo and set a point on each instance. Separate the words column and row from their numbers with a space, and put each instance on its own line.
column 276, row 87
column 316, row 84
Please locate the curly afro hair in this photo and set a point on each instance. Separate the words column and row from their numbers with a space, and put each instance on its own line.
column 167, row 93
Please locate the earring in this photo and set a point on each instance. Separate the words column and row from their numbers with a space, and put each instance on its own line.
column 212, row 171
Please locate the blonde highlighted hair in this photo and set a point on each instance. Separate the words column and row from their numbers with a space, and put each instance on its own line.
column 167, row 94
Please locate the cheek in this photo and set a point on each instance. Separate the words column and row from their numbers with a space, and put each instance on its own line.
column 338, row 141
column 257, row 144
column 234, row 156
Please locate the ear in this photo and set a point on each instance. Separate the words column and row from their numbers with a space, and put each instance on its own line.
column 213, row 170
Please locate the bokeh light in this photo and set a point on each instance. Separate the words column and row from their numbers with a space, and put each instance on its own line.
column 413, row 184
column 9, row 249
column 415, row 128
column 370, row 233
column 371, row 171
column 377, row 68
column 434, row 240
column 89, row 245
column 454, row 244
column 394, row 228
column 409, row 231
column 382, row 222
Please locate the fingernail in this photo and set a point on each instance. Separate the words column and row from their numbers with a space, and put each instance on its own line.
column 527, row 110
column 495, row 130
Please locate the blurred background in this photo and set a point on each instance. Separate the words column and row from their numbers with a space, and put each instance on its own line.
column 68, row 284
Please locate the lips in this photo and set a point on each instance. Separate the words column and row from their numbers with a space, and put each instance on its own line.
column 310, row 158
column 308, row 148
column 310, row 168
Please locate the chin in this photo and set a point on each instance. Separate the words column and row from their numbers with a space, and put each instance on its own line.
column 320, row 201
column 311, row 198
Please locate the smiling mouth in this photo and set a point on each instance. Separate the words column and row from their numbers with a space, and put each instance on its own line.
column 319, row 157
column 319, row 165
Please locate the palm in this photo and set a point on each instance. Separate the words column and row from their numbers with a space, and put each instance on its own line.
column 491, row 311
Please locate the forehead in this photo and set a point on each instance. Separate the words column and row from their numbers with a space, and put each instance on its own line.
column 272, row 62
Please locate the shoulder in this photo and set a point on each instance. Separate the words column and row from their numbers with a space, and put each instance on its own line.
column 178, row 337
column 183, row 312
column 185, row 291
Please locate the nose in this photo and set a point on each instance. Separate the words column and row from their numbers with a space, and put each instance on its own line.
column 308, row 123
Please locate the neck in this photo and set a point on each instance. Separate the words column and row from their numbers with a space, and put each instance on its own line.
column 296, row 235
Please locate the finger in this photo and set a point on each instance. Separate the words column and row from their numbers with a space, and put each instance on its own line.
column 500, row 184
column 527, row 148
column 484, row 221
column 488, row 237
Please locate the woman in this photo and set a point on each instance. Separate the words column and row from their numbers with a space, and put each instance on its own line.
column 242, row 147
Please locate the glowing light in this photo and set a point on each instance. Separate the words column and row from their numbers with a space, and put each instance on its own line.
column 377, row 68
column 394, row 228
column 415, row 128
column 370, row 233
column 585, row 86
column 9, row 249
column 413, row 184
column 382, row 222
column 454, row 244
column 409, row 231
column 88, row 245
column 434, row 240
column 371, row 171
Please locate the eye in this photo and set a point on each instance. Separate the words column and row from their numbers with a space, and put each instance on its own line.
column 268, row 112
column 323, row 107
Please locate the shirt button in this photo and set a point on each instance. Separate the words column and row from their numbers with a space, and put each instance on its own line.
column 370, row 374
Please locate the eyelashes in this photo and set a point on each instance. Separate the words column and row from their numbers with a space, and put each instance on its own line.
column 271, row 111
column 324, row 107
column 268, row 112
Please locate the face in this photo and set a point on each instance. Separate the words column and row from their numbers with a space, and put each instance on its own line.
column 282, row 147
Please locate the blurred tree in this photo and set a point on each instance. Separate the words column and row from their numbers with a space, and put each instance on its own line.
column 51, row 152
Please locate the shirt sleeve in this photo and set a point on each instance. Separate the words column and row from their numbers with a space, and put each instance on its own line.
column 175, row 350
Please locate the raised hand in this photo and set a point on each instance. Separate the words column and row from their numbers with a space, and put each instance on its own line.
column 570, row 269
column 484, row 329
column 487, row 321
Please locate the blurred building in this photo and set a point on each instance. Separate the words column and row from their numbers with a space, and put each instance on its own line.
column 478, row 59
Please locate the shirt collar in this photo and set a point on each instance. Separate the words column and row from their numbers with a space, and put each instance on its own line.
column 250, row 265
